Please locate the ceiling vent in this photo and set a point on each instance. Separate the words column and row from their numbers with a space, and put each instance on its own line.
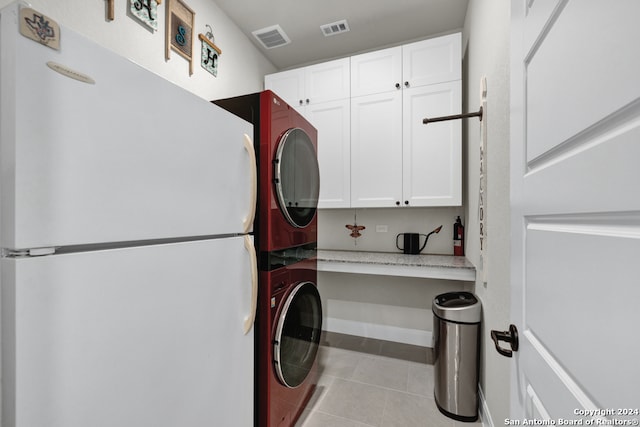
column 335, row 28
column 271, row 37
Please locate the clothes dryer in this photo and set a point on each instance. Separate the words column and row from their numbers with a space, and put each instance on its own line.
column 288, row 173
column 289, row 327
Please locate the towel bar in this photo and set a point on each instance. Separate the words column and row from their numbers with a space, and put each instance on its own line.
column 454, row 117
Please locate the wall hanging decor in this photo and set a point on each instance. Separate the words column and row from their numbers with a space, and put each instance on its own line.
column 146, row 11
column 179, row 37
column 482, row 198
column 36, row 26
column 110, row 10
column 210, row 52
column 355, row 229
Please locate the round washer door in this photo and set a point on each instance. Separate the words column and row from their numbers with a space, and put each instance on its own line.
column 298, row 334
column 297, row 177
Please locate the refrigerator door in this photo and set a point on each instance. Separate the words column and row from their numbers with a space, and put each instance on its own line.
column 129, row 157
column 145, row 336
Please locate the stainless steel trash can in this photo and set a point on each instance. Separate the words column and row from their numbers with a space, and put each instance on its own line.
column 456, row 349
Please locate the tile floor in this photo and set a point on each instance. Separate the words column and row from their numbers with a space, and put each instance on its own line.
column 359, row 389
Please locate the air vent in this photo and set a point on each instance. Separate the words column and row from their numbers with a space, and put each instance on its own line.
column 335, row 28
column 271, row 37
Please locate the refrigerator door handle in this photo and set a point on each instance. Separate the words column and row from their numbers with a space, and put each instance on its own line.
column 248, row 220
column 251, row 317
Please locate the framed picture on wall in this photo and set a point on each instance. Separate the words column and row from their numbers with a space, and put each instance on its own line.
column 146, row 11
column 179, row 34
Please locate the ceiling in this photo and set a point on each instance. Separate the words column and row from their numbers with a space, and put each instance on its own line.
column 373, row 24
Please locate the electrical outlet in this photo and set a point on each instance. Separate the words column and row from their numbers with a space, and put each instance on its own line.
column 382, row 228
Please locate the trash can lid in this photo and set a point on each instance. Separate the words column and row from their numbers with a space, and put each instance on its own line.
column 462, row 307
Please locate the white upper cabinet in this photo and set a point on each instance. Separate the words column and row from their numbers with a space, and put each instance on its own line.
column 373, row 149
column 332, row 119
column 288, row 85
column 396, row 160
column 432, row 61
column 416, row 64
column 315, row 84
column 321, row 94
column 328, row 81
column 432, row 154
column 376, row 72
column 376, row 150
column 399, row 161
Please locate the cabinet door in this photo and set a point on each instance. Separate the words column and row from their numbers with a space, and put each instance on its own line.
column 332, row 120
column 328, row 81
column 376, row 150
column 376, row 72
column 432, row 166
column 432, row 61
column 288, row 85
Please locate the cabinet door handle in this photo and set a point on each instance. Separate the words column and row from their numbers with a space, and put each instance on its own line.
column 406, row 202
column 406, row 84
column 397, row 202
column 307, row 101
column 301, row 102
column 397, row 85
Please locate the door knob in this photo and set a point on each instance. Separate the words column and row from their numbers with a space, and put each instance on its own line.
column 510, row 336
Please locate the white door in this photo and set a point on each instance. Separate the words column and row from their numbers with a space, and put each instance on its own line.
column 432, row 61
column 376, row 150
column 333, row 122
column 143, row 336
column 376, row 72
column 575, row 208
column 327, row 81
column 432, row 154
column 288, row 85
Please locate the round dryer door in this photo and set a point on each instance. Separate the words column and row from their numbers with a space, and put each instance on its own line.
column 297, row 177
column 298, row 334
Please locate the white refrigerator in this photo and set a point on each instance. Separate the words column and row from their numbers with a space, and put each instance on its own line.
column 128, row 273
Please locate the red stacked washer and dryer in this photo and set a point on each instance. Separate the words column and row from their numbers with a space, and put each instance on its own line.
column 289, row 319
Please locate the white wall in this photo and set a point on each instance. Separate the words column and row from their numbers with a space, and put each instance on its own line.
column 486, row 53
column 384, row 307
column 241, row 66
column 332, row 233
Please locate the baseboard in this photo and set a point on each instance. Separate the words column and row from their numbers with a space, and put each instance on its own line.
column 395, row 350
column 380, row 332
column 485, row 414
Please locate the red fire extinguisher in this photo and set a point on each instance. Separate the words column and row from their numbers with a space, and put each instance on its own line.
column 458, row 238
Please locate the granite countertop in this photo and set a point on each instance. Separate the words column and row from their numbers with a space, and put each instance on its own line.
column 397, row 264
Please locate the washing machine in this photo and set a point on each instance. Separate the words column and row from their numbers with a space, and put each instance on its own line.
column 289, row 311
column 288, row 173
column 289, row 327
